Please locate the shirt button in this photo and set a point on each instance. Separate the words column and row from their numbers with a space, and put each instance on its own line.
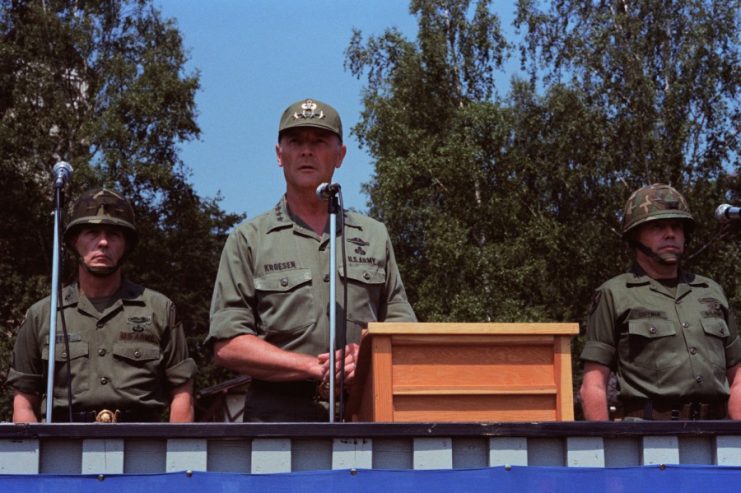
column 677, row 302
column 326, row 277
column 64, row 355
column 685, row 324
column 693, row 350
column 101, row 352
column 366, row 276
column 284, row 282
column 137, row 354
column 100, row 325
column 652, row 330
column 698, row 379
column 722, row 331
column 103, row 381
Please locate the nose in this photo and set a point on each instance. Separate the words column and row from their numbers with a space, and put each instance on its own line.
column 103, row 237
column 306, row 147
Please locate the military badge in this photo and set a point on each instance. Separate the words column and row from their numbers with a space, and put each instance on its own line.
column 358, row 241
column 138, row 324
column 308, row 111
column 360, row 251
column 713, row 307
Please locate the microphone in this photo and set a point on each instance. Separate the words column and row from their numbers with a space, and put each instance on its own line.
column 327, row 190
column 62, row 171
column 726, row 213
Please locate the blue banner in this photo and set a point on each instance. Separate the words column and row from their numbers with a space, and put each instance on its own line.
column 649, row 479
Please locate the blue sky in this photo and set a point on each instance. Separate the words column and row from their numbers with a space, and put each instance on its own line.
column 255, row 57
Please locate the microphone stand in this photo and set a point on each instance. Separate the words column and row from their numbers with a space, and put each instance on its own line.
column 62, row 171
column 333, row 205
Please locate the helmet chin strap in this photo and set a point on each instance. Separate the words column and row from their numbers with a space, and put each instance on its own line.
column 665, row 259
column 100, row 272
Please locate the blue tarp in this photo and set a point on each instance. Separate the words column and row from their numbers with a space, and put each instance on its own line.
column 650, row 479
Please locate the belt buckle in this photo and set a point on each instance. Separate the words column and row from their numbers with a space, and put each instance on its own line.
column 106, row 416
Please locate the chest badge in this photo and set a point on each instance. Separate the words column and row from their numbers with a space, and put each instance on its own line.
column 138, row 324
column 358, row 241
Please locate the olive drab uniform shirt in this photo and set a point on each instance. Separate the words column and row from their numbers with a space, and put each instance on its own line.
column 273, row 281
column 128, row 357
column 664, row 343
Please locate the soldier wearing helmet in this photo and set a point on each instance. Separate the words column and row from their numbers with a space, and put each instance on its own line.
column 669, row 335
column 127, row 355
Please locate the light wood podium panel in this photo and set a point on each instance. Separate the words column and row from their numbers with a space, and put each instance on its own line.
column 450, row 372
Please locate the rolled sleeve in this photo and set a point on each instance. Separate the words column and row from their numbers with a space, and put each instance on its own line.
column 181, row 372
column 733, row 350
column 600, row 346
column 598, row 352
column 27, row 367
column 232, row 311
column 179, row 367
column 28, row 383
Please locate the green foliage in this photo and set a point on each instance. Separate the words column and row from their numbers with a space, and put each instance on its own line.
column 509, row 209
column 100, row 84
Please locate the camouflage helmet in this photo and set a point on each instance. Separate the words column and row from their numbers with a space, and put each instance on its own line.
column 102, row 206
column 654, row 202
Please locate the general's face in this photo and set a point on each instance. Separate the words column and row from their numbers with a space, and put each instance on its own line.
column 309, row 156
column 664, row 237
column 100, row 246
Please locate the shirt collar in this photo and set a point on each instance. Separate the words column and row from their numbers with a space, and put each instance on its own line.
column 130, row 293
column 280, row 218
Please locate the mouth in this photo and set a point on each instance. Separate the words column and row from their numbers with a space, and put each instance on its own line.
column 670, row 248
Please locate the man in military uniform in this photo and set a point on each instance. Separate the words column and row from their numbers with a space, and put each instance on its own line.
column 670, row 335
column 127, row 353
column 269, row 312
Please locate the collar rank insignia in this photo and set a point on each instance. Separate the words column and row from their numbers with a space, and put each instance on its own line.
column 359, row 242
column 308, row 111
column 138, row 323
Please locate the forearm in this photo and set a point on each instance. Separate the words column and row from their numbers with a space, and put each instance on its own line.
column 734, row 401
column 594, row 404
column 24, row 407
column 181, row 403
column 250, row 355
column 593, row 392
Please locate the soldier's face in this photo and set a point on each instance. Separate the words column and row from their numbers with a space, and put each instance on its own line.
column 309, row 156
column 100, row 246
column 664, row 237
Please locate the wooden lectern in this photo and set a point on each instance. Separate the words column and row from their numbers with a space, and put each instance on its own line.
column 427, row 372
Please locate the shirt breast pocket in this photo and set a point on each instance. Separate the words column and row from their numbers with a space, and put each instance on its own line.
column 284, row 301
column 716, row 332
column 365, row 285
column 652, row 343
column 79, row 365
column 136, row 365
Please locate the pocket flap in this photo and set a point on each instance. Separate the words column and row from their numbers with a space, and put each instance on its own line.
column 77, row 349
column 136, row 352
column 365, row 275
column 651, row 328
column 283, row 281
column 715, row 327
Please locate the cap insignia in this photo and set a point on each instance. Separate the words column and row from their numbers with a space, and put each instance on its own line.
column 308, row 111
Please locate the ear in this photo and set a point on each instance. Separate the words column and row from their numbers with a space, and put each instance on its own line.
column 277, row 155
column 343, row 151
